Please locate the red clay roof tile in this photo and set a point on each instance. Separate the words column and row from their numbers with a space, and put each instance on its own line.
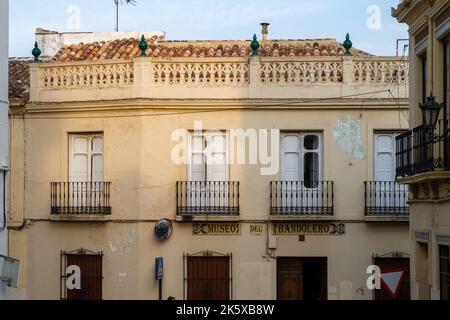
column 129, row 48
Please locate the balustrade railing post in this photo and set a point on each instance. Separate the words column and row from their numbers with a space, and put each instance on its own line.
column 348, row 76
column 143, row 77
column 35, row 81
column 255, row 89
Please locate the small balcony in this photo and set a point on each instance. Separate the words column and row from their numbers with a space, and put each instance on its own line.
column 421, row 151
column 207, row 199
column 80, row 198
column 386, row 201
column 296, row 199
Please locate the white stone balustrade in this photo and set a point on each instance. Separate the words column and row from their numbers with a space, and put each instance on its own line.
column 220, row 78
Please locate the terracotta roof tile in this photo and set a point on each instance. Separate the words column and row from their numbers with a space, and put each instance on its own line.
column 129, row 48
column 19, row 78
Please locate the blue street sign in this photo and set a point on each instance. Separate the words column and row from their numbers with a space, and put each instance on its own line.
column 159, row 268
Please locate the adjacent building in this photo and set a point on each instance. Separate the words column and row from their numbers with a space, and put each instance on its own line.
column 126, row 151
column 423, row 158
column 4, row 159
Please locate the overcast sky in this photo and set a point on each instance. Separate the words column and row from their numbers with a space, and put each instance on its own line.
column 369, row 22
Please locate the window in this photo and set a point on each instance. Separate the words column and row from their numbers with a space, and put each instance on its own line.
column 91, row 275
column 447, row 77
column 302, row 158
column 447, row 100
column 384, row 161
column 424, row 78
column 86, row 158
column 210, row 165
column 384, row 195
column 444, row 269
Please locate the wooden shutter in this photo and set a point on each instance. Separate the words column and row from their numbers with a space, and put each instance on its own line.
column 97, row 158
column 79, row 159
column 384, row 157
column 86, row 158
column 291, row 157
column 197, row 166
column 91, row 277
column 217, row 162
column 208, row 278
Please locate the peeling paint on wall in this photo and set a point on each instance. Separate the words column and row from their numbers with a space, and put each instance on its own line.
column 347, row 135
column 122, row 276
column 129, row 245
column 112, row 247
column 126, row 245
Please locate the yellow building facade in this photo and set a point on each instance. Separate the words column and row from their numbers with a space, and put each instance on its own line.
column 100, row 178
column 423, row 162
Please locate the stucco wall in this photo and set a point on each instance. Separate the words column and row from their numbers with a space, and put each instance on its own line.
column 137, row 162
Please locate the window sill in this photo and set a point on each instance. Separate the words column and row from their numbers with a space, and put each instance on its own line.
column 299, row 217
column 387, row 218
column 208, row 218
column 80, row 218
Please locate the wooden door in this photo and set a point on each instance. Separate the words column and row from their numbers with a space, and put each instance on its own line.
column 91, row 277
column 208, row 278
column 290, row 279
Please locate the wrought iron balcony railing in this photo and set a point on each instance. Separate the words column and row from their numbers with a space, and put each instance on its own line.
column 297, row 198
column 203, row 198
column 80, row 198
column 423, row 150
column 386, row 198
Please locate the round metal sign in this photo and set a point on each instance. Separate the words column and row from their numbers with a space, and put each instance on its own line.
column 163, row 229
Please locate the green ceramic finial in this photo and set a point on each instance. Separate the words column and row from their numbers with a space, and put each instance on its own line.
column 255, row 46
column 348, row 45
column 143, row 46
column 36, row 52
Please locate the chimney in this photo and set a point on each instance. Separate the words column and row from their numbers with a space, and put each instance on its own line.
column 265, row 30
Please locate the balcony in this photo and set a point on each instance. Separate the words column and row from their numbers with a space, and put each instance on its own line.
column 207, row 199
column 80, row 198
column 297, row 199
column 386, row 200
column 418, row 150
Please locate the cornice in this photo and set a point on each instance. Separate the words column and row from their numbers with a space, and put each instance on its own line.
column 211, row 105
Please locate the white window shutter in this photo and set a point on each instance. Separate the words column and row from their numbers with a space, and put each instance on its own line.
column 79, row 159
column 384, row 157
column 291, row 157
column 97, row 159
column 217, row 166
column 197, row 161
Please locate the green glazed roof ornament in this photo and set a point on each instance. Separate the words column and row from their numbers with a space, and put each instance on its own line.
column 348, row 45
column 255, row 46
column 36, row 52
column 143, row 46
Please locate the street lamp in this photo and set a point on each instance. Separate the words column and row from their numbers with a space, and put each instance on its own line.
column 430, row 115
column 430, row 112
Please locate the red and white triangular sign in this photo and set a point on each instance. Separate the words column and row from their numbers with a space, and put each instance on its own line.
column 392, row 281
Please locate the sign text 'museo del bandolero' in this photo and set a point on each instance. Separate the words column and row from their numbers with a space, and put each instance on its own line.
column 309, row 229
column 216, row 229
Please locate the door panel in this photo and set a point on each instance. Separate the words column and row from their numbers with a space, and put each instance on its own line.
column 91, row 277
column 302, row 279
column 208, row 278
column 290, row 278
